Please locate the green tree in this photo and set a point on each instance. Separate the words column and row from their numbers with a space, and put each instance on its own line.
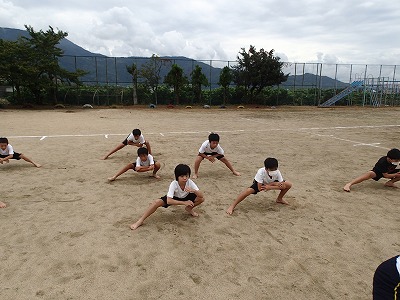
column 151, row 73
column 45, row 54
column 225, row 79
column 258, row 69
column 198, row 79
column 177, row 80
column 34, row 64
column 134, row 73
column 15, row 66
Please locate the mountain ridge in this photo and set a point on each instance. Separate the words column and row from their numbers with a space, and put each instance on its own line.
column 102, row 71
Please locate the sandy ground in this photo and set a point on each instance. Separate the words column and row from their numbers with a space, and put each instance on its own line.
column 65, row 232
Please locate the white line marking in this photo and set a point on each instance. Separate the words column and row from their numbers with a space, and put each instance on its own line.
column 303, row 129
column 162, row 134
column 364, row 144
column 355, row 143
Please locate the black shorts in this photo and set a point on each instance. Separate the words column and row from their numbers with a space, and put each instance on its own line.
column 189, row 197
column 254, row 186
column 16, row 156
column 379, row 175
column 134, row 165
column 219, row 156
column 125, row 141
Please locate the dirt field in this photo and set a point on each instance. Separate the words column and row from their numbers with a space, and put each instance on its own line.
column 65, row 231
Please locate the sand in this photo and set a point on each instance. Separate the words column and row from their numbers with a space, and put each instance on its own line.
column 65, row 231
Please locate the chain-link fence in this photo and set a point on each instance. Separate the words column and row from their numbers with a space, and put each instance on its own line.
column 108, row 82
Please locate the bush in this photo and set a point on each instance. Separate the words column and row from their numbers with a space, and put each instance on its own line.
column 4, row 103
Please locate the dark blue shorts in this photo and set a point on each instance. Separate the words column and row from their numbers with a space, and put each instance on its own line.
column 189, row 197
column 219, row 156
column 16, row 156
column 254, row 186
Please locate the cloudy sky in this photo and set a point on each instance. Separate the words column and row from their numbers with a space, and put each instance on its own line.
column 341, row 31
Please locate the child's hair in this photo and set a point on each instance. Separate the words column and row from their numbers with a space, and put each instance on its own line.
column 3, row 140
column 142, row 151
column 213, row 137
column 181, row 169
column 271, row 163
column 136, row 132
column 394, row 153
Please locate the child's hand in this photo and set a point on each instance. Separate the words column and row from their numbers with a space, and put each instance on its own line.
column 189, row 203
column 210, row 158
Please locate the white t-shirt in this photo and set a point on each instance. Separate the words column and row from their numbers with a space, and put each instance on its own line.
column 206, row 148
column 146, row 163
column 263, row 177
column 9, row 150
column 175, row 189
column 140, row 140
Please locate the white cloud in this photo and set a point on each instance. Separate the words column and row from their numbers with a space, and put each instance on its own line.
column 352, row 31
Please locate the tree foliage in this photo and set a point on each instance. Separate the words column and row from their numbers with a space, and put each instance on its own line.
column 32, row 64
column 198, row 79
column 225, row 79
column 151, row 73
column 256, row 70
column 176, row 79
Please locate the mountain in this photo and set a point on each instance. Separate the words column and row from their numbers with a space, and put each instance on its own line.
column 69, row 48
column 112, row 70
column 309, row 80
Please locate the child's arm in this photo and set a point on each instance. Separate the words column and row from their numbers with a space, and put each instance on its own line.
column 139, row 145
column 198, row 193
column 392, row 175
column 144, row 168
column 209, row 157
column 273, row 186
column 172, row 201
column 6, row 158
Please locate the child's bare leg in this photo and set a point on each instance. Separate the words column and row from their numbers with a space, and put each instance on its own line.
column 229, row 165
column 157, row 167
column 243, row 195
column 119, row 147
column 197, row 166
column 287, row 186
column 2, row 205
column 29, row 160
column 391, row 182
column 152, row 208
column 197, row 201
column 122, row 171
column 366, row 176
column 148, row 146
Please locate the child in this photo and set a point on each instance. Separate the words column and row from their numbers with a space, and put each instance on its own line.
column 386, row 281
column 211, row 150
column 387, row 166
column 144, row 163
column 267, row 178
column 7, row 152
column 182, row 191
column 135, row 138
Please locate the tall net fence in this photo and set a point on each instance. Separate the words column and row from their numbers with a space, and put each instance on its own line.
column 107, row 81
